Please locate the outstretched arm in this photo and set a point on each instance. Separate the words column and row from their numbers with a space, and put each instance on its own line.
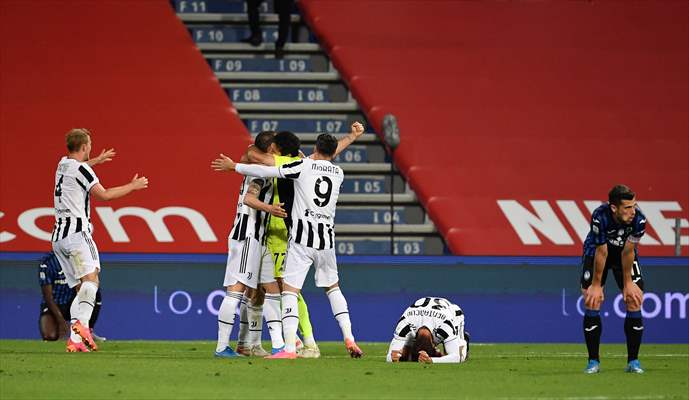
column 103, row 194
column 255, row 155
column 226, row 164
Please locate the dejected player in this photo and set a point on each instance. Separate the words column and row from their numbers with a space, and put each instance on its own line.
column 426, row 324
column 616, row 228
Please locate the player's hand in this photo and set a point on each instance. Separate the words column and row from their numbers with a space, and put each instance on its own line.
column 103, row 157
column 395, row 355
column 224, row 163
column 357, row 129
column 139, row 182
column 276, row 210
column 425, row 358
column 633, row 296
column 593, row 297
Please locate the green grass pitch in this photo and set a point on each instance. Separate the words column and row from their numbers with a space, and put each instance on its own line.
column 176, row 370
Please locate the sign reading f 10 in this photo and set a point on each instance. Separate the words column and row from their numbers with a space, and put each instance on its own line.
column 542, row 217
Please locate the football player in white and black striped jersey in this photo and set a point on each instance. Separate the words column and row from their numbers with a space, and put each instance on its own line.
column 249, row 263
column 75, row 182
column 312, row 235
column 427, row 323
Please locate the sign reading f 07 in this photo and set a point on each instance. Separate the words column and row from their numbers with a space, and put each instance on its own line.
column 541, row 217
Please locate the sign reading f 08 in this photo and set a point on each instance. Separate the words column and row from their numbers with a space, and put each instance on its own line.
column 542, row 218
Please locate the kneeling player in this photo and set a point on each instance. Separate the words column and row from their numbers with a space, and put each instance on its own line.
column 426, row 324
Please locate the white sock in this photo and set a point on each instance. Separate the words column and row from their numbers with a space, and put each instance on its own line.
column 226, row 318
column 74, row 311
column 254, row 315
column 338, row 305
column 309, row 341
column 87, row 300
column 290, row 320
column 272, row 313
column 243, row 323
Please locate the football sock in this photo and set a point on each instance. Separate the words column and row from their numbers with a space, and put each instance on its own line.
column 242, row 338
column 592, row 331
column 226, row 313
column 271, row 310
column 633, row 330
column 74, row 311
column 304, row 322
column 87, row 301
column 338, row 305
column 290, row 320
column 254, row 315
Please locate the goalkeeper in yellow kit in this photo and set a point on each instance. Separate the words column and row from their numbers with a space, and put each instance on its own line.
column 285, row 149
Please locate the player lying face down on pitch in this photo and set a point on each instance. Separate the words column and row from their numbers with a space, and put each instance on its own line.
column 425, row 325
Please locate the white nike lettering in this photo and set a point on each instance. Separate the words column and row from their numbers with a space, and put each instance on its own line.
column 592, row 328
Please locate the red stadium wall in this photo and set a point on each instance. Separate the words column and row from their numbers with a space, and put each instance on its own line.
column 129, row 72
column 517, row 118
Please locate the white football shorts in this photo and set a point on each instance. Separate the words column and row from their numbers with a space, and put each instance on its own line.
column 298, row 260
column 78, row 256
column 248, row 262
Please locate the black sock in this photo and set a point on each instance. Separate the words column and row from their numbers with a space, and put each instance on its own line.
column 592, row 331
column 96, row 310
column 633, row 330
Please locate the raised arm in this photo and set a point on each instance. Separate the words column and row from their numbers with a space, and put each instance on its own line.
column 103, row 194
column 357, row 131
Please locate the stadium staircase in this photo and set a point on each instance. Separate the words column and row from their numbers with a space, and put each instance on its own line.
column 305, row 94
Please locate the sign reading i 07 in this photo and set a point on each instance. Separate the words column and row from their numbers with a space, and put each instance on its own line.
column 314, row 125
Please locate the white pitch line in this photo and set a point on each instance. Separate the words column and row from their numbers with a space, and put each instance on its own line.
column 586, row 398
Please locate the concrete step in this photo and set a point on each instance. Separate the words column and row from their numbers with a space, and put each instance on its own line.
column 349, row 106
column 265, row 47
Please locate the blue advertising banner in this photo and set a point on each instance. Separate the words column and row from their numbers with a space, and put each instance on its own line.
column 504, row 299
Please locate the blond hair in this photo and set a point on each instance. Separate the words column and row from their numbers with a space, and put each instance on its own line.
column 76, row 138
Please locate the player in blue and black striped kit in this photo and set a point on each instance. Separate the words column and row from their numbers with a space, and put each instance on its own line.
column 616, row 228
column 57, row 299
